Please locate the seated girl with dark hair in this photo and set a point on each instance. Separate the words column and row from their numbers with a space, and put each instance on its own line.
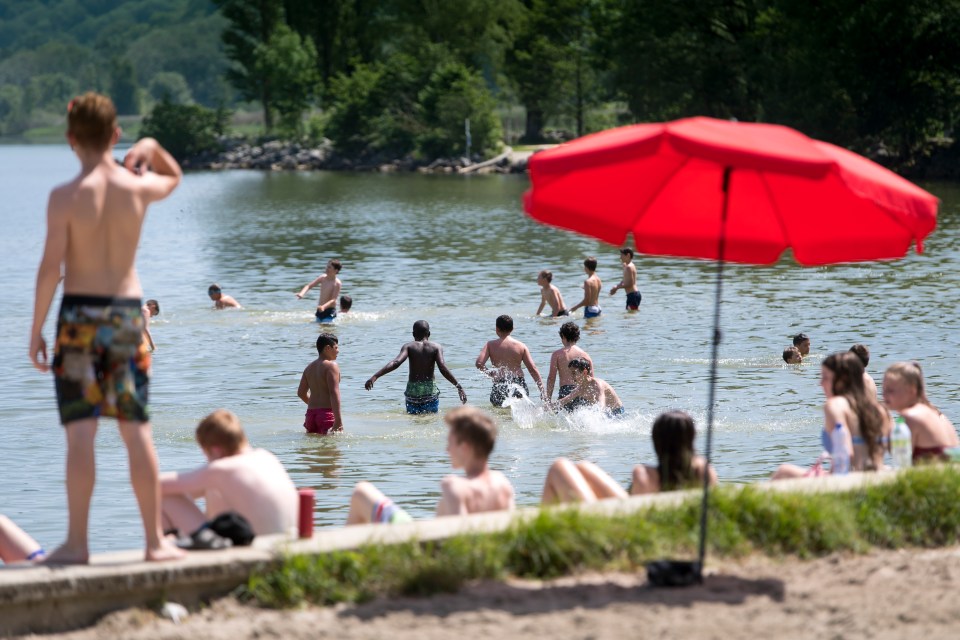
column 677, row 468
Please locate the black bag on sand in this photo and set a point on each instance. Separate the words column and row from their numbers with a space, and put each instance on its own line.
column 234, row 527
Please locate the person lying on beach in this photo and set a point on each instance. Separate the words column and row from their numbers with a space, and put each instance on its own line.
column 591, row 290
column 101, row 364
column 237, row 477
column 629, row 281
column 150, row 308
column 329, row 290
column 677, row 468
column 560, row 361
column 792, row 355
column 867, row 424
column 470, row 439
column 863, row 352
column 220, row 299
column 904, row 391
column 422, row 394
column 16, row 545
column 550, row 295
column 590, row 391
column 320, row 388
column 507, row 354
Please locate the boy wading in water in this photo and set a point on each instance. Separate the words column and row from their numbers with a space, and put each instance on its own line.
column 320, row 388
column 422, row 394
column 560, row 361
column 591, row 290
column 329, row 292
column 629, row 282
column 507, row 354
column 101, row 364
column 550, row 295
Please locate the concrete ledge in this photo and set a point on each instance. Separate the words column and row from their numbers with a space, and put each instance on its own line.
column 37, row 599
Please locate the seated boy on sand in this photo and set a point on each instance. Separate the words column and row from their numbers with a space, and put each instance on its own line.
column 470, row 440
column 237, row 477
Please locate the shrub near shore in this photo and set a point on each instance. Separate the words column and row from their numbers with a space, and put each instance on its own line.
column 918, row 508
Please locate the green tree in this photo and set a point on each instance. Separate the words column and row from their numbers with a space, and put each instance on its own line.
column 123, row 87
column 455, row 93
column 13, row 117
column 171, row 87
column 185, row 130
column 288, row 64
column 553, row 64
column 251, row 23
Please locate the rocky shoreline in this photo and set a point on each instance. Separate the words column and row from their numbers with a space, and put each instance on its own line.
column 292, row 156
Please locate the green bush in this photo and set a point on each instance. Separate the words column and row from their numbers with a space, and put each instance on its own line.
column 917, row 508
column 185, row 130
column 453, row 95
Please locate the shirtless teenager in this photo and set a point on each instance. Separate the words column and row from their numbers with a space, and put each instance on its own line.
column 560, row 361
column 591, row 391
column 422, row 394
column 329, row 292
column 506, row 353
column 220, row 299
column 320, row 388
column 550, row 295
column 629, row 281
column 101, row 364
column 237, row 477
column 470, row 441
column 150, row 308
column 591, row 290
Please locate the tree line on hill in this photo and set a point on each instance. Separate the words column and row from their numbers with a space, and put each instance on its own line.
column 396, row 77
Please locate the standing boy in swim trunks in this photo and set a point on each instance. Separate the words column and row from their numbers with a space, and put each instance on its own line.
column 470, row 441
column 507, row 354
column 591, row 290
column 329, row 292
column 422, row 394
column 629, row 281
column 550, row 294
column 320, row 388
column 101, row 364
column 150, row 308
column 591, row 391
column 237, row 477
column 560, row 360
column 220, row 299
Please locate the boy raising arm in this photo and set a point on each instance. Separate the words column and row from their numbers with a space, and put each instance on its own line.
column 101, row 364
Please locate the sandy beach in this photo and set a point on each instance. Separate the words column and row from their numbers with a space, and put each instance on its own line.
column 888, row 594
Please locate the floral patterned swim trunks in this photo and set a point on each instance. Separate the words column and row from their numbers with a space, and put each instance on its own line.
column 101, row 363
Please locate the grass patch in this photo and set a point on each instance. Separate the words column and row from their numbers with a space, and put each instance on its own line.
column 918, row 508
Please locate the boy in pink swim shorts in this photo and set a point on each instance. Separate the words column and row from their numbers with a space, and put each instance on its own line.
column 320, row 388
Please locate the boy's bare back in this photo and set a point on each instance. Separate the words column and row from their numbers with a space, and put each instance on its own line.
column 560, row 362
column 507, row 354
column 490, row 491
column 315, row 376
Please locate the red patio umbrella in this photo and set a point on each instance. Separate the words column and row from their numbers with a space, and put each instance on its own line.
column 728, row 191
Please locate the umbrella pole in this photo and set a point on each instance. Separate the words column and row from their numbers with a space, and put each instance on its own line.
column 713, row 371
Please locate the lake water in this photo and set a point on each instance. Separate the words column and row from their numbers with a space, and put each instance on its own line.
column 457, row 252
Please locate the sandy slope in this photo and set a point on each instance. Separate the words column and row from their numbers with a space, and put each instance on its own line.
column 905, row 594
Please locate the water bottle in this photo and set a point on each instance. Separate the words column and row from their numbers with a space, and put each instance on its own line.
column 841, row 456
column 901, row 445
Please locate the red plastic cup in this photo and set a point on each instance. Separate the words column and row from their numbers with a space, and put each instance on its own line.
column 306, row 513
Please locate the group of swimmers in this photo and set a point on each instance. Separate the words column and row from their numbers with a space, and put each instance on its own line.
column 101, row 366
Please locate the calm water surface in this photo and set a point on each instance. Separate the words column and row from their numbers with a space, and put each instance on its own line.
column 457, row 252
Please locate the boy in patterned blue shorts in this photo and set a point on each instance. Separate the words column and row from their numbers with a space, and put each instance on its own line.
column 101, row 364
